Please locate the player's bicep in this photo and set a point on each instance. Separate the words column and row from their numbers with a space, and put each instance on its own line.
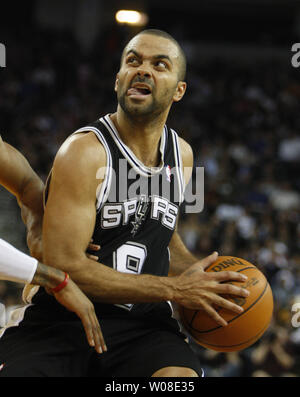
column 70, row 211
column 67, row 227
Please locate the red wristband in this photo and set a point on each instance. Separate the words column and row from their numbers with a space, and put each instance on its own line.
column 61, row 285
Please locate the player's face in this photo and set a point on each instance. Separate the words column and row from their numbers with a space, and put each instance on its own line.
column 147, row 83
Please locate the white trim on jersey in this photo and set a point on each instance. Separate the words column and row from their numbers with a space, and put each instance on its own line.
column 178, row 163
column 15, row 317
column 18, row 267
column 129, row 155
column 102, row 195
column 28, row 292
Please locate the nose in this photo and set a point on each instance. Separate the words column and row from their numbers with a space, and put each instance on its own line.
column 143, row 72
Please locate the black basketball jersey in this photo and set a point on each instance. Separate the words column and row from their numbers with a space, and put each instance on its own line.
column 137, row 207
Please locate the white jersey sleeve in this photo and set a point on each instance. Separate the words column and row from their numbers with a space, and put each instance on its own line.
column 15, row 265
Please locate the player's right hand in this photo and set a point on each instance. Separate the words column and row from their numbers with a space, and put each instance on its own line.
column 197, row 289
column 76, row 301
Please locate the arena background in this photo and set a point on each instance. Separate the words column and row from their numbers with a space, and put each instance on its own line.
column 240, row 114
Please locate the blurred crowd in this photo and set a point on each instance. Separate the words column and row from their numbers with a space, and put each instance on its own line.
column 242, row 120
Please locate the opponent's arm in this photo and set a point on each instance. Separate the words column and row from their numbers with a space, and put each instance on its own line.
column 18, row 177
column 18, row 267
column 69, row 223
column 73, row 299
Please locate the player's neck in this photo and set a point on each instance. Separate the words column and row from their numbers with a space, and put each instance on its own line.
column 142, row 138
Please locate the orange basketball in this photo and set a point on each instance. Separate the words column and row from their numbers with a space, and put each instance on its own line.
column 243, row 329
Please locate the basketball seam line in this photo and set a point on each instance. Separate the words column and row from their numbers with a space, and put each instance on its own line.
column 239, row 344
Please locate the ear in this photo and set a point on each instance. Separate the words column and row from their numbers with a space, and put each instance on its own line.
column 117, row 83
column 180, row 91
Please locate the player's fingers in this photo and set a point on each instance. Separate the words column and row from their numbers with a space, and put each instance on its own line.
column 231, row 289
column 228, row 276
column 226, row 304
column 214, row 314
column 209, row 260
column 94, row 247
column 88, row 328
column 100, row 344
column 92, row 257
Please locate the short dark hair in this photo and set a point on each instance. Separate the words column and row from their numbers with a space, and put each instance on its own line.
column 162, row 33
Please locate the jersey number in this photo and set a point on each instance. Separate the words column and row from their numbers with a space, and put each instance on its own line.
column 130, row 259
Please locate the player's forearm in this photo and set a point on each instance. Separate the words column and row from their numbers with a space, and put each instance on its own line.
column 104, row 284
column 110, row 286
column 33, row 224
column 180, row 257
column 47, row 276
column 17, row 176
column 30, row 201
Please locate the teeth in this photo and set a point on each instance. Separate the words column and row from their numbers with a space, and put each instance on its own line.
column 141, row 87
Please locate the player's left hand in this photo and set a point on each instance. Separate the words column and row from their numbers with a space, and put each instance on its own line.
column 93, row 247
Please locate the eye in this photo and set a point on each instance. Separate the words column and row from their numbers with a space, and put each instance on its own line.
column 132, row 60
column 161, row 64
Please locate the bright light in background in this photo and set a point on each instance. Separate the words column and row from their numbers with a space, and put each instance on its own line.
column 132, row 17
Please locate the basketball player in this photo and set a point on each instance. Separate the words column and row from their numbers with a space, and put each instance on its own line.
column 129, row 286
column 18, row 177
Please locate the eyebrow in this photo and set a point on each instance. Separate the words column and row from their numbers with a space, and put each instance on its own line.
column 134, row 52
column 160, row 56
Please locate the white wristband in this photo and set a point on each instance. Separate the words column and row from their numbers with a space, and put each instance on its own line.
column 15, row 265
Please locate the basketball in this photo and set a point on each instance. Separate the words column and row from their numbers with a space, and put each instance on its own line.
column 243, row 329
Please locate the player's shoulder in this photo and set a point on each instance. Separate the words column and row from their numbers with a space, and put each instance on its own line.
column 82, row 150
column 2, row 144
column 186, row 152
column 185, row 147
column 3, row 149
